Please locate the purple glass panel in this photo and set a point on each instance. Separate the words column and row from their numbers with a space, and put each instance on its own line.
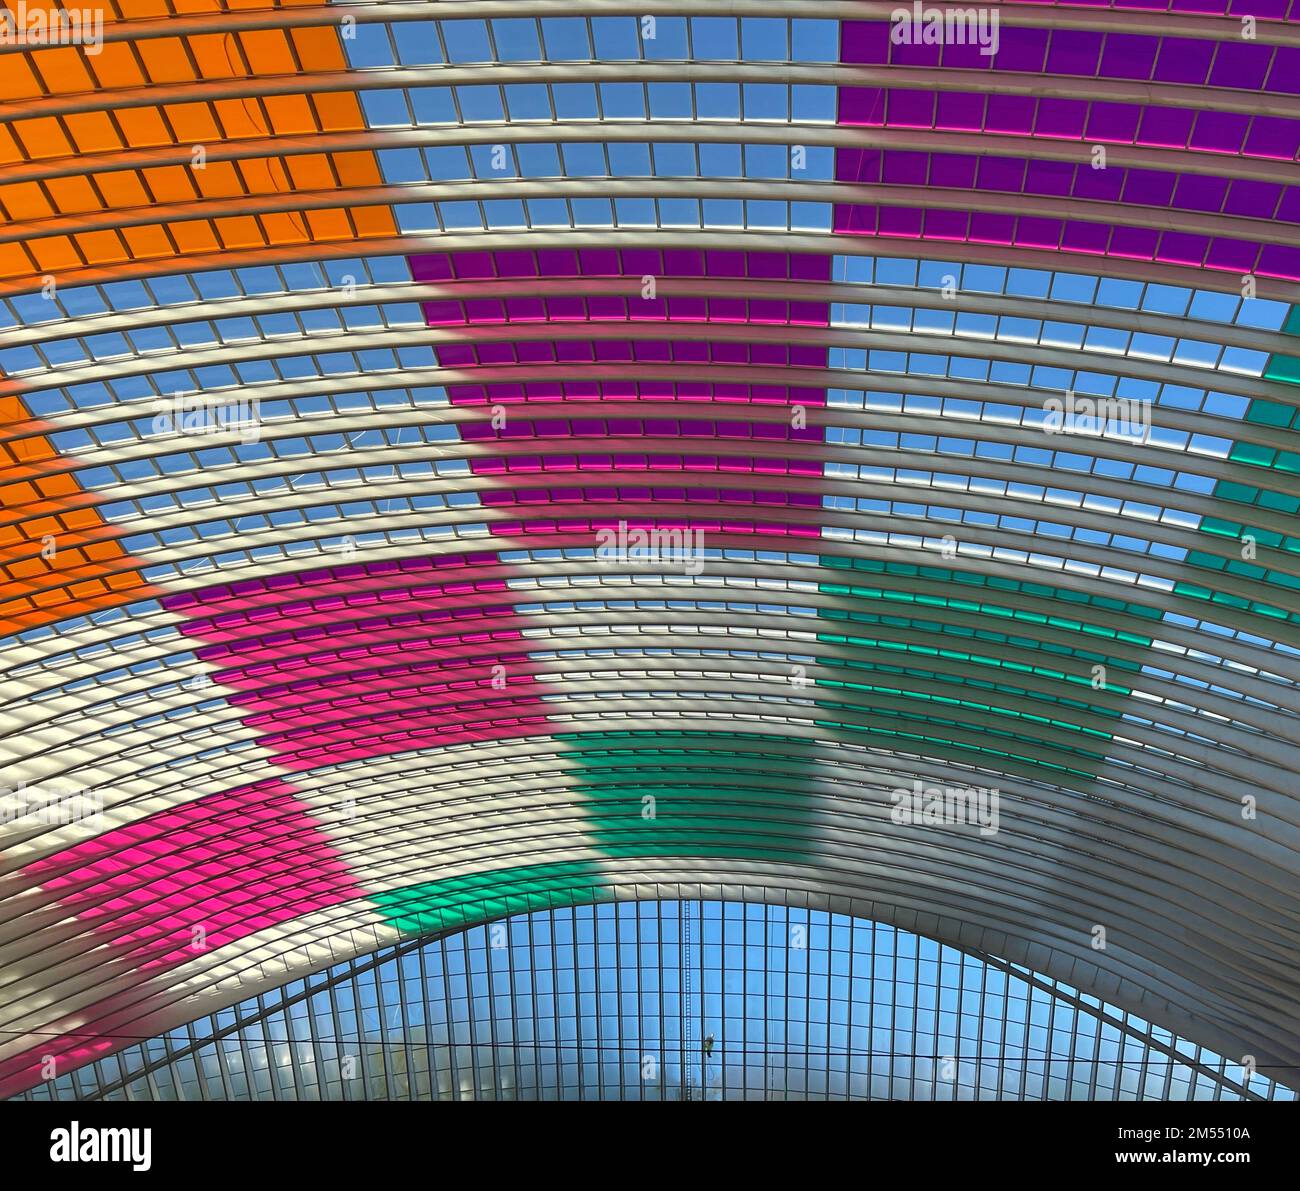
column 862, row 105
column 1184, row 60
column 1258, row 200
column 1077, row 53
column 1220, row 132
column 1061, row 118
column 1114, row 122
column 1241, row 64
column 864, row 42
column 1200, row 193
column 1128, row 56
column 1011, row 113
column 1169, row 127
column 1285, row 74
column 911, row 109
column 1022, row 49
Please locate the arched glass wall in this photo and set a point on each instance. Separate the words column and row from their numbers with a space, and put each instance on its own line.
column 670, row 1000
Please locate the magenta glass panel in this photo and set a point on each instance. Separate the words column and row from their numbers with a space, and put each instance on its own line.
column 331, row 663
column 233, row 863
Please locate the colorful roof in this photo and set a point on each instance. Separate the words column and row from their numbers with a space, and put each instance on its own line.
column 477, row 457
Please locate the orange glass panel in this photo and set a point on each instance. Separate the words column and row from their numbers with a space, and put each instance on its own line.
column 240, row 118
column 54, row 253
column 17, row 80
column 25, row 200
column 140, row 10
column 93, row 132
column 218, row 180
column 267, row 52
column 282, row 228
column 180, row 60
column 339, row 112
column 143, row 127
column 8, row 146
column 121, row 189
column 102, row 248
column 62, row 70
column 194, row 236
column 311, row 172
column 193, row 122
column 43, row 138
column 358, row 169
column 217, row 56
column 290, row 113
column 374, row 221
column 165, row 59
column 240, row 231
column 171, row 184
column 330, row 224
column 14, row 261
column 318, row 48
column 73, row 194
column 115, row 66
column 81, row 576
column 148, row 241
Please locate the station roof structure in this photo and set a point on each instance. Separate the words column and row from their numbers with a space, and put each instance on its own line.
column 477, row 458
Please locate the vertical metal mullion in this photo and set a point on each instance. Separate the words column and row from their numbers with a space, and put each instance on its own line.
column 345, row 1090
column 704, row 1085
column 291, row 1043
column 197, row 1052
column 376, row 974
column 1170, row 1063
column 452, row 1048
column 660, row 918
column 1146, row 1058
column 404, row 1017
column 938, row 1015
column 429, row 1052
column 615, row 908
column 218, row 1045
column 532, row 962
column 1052, row 1006
column 463, row 939
column 830, row 981
column 577, row 1002
column 683, row 979
column 1074, row 1046
column 242, row 1035
column 979, row 1029
column 848, row 1013
column 956, row 1032
column 359, row 1010
column 786, row 1077
column 1002, row 1043
column 871, row 1012
column 1096, row 1058
column 514, row 1000
column 555, row 1010
column 268, row 1046
column 493, row 1041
